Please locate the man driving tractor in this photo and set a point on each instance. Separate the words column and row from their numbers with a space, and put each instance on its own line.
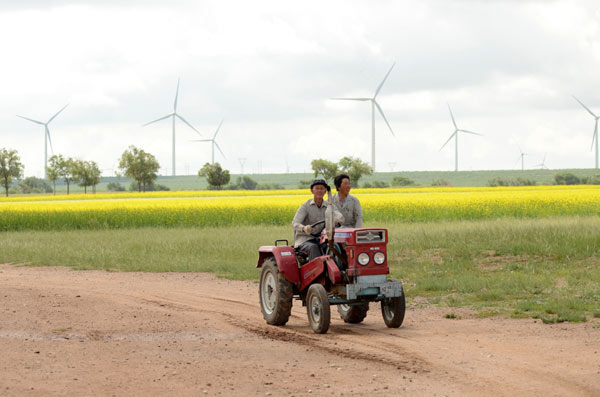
column 309, row 213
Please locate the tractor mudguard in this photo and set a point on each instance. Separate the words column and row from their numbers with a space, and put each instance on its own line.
column 284, row 257
column 333, row 271
column 312, row 270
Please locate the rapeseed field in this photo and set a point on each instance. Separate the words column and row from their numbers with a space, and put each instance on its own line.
column 230, row 208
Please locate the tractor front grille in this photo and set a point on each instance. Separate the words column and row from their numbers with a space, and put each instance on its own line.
column 370, row 236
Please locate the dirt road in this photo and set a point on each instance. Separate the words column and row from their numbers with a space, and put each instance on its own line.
column 65, row 332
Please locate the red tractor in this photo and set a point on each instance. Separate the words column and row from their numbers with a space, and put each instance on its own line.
column 351, row 273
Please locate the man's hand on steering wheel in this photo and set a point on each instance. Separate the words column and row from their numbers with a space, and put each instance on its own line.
column 313, row 228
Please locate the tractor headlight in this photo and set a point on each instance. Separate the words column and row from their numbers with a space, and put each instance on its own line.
column 379, row 258
column 363, row 258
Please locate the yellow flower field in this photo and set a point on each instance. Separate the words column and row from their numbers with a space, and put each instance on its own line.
column 227, row 208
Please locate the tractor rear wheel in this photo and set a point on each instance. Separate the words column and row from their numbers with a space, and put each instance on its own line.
column 317, row 308
column 393, row 310
column 353, row 314
column 275, row 293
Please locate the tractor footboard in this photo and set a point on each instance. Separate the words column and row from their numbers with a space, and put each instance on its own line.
column 374, row 285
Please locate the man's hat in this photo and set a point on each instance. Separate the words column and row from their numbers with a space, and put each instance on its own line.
column 319, row 182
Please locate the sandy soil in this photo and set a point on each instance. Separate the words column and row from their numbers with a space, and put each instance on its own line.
column 65, row 332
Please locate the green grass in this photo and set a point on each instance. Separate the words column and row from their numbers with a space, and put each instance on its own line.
column 536, row 268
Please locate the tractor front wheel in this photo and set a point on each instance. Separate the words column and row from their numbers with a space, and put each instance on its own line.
column 353, row 314
column 275, row 293
column 393, row 310
column 317, row 307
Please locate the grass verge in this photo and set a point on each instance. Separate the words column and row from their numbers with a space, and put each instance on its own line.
column 542, row 268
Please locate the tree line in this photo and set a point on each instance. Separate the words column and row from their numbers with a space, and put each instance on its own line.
column 134, row 163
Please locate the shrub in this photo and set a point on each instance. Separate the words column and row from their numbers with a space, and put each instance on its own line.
column 441, row 182
column 115, row 187
column 134, row 187
column 402, row 181
column 243, row 183
column 591, row 180
column 511, row 182
column 31, row 184
column 304, row 184
column 270, row 186
column 566, row 178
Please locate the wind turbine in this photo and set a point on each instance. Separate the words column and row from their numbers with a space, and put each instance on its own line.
column 542, row 165
column 374, row 104
column 595, row 136
column 522, row 158
column 455, row 136
column 214, row 142
column 174, row 115
column 46, row 135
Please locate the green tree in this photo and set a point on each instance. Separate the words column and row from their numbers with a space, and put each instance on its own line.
column 140, row 166
column 31, row 184
column 216, row 176
column 65, row 167
column 326, row 168
column 244, row 183
column 10, row 167
column 87, row 173
column 355, row 168
column 402, row 181
column 52, row 171
column 566, row 178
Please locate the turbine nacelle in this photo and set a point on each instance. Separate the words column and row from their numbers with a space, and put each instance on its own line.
column 374, row 105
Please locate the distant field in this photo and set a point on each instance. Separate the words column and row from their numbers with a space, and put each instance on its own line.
column 423, row 178
column 231, row 208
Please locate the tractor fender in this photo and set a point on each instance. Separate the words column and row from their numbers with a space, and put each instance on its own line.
column 311, row 271
column 333, row 271
column 284, row 257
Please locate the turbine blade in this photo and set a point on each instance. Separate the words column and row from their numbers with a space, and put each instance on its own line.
column 471, row 132
column 162, row 118
column 217, row 145
column 201, row 140
column 49, row 139
column 57, row 113
column 184, row 120
column 218, row 128
column 383, row 81
column 451, row 115
column 351, row 99
column 176, row 95
column 383, row 115
column 585, row 107
column 451, row 136
column 35, row 121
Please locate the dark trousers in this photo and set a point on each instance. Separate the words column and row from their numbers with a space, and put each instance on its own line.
column 312, row 247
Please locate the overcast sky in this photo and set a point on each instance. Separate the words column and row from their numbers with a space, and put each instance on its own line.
column 507, row 68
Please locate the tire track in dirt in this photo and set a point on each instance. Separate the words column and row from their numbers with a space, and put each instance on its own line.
column 352, row 350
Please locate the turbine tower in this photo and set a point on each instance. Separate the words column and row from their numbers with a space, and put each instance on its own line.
column 374, row 105
column 595, row 136
column 174, row 115
column 46, row 136
column 214, row 142
column 455, row 136
column 522, row 158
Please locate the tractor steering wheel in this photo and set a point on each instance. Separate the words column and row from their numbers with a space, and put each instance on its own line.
column 314, row 232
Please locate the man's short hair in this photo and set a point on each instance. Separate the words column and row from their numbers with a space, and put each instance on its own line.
column 337, row 181
column 319, row 182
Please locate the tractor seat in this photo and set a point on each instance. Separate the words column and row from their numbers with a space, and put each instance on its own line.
column 301, row 256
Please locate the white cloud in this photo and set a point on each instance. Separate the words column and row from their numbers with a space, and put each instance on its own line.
column 508, row 69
